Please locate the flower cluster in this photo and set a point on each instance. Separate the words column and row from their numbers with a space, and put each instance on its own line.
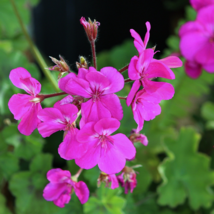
column 91, row 96
column 197, row 39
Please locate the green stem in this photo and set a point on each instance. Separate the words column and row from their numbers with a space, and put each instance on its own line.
column 34, row 50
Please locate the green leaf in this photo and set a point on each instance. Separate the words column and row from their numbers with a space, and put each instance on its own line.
column 3, row 208
column 190, row 13
column 92, row 175
column 207, row 111
column 185, row 173
column 107, row 201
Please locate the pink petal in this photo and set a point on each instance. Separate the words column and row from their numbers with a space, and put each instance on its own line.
column 17, row 74
column 91, row 157
column 163, row 90
column 64, row 81
column 70, row 148
column 94, row 111
column 172, row 62
column 146, row 38
column 106, row 126
column 190, row 27
column 62, row 200
column 81, row 191
column 193, row 69
column 29, row 121
column 138, row 119
column 53, row 191
column 133, row 91
column 112, row 103
column 19, row 104
column 209, row 68
column 138, row 43
column 191, row 43
column 69, row 112
column 198, row 4
column 78, row 86
column 206, row 54
column 82, row 73
column 114, row 181
column 124, row 145
column 113, row 161
column 58, row 175
column 31, row 86
column 115, row 78
column 132, row 70
column 159, row 69
column 206, row 17
column 66, row 100
column 86, row 134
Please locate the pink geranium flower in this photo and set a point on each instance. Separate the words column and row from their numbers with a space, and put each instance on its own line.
column 145, row 106
column 137, row 137
column 25, row 107
column 108, row 179
column 127, row 179
column 198, row 4
column 197, row 42
column 61, row 117
column 109, row 152
column 144, row 68
column 98, row 89
column 61, row 186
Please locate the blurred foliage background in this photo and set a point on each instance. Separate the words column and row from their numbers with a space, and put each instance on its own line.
column 177, row 173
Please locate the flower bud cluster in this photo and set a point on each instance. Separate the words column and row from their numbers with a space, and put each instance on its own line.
column 91, row 97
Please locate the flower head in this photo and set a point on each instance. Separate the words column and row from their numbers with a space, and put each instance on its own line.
column 25, row 107
column 108, row 151
column 137, row 137
column 127, row 179
column 107, row 179
column 61, row 187
column 90, row 28
column 198, row 4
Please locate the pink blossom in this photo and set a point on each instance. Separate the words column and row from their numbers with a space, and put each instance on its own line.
column 61, row 186
column 98, row 88
column 198, row 4
column 25, row 107
column 145, row 106
column 109, row 152
column 107, row 179
column 137, row 137
column 62, row 117
column 197, row 42
column 144, row 68
column 127, row 179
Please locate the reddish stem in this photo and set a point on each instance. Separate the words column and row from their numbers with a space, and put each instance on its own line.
column 94, row 54
column 122, row 98
column 128, row 80
column 44, row 96
column 123, row 69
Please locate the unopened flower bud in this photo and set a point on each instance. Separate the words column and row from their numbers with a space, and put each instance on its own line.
column 90, row 28
column 60, row 66
column 82, row 64
column 127, row 179
column 137, row 137
column 107, row 179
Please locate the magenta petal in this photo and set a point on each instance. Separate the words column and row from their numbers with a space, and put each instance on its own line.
column 138, row 119
column 82, row 73
column 115, row 78
column 69, row 112
column 94, row 111
column 146, row 38
column 189, row 46
column 159, row 69
column 205, row 16
column 198, row 4
column 17, row 74
column 138, row 43
column 57, row 175
column 106, row 126
column 51, row 114
column 66, row 100
column 132, row 70
column 91, row 157
column 19, row 104
column 190, row 27
column 133, row 91
column 62, row 200
column 86, row 134
column 163, row 90
column 29, row 121
column 78, row 86
column 70, row 148
column 209, row 68
column 193, row 69
column 172, row 62
column 52, row 191
column 124, row 145
column 31, row 86
column 112, row 161
column 112, row 103
column 114, row 181
column 206, row 54
column 82, row 191
column 64, row 81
